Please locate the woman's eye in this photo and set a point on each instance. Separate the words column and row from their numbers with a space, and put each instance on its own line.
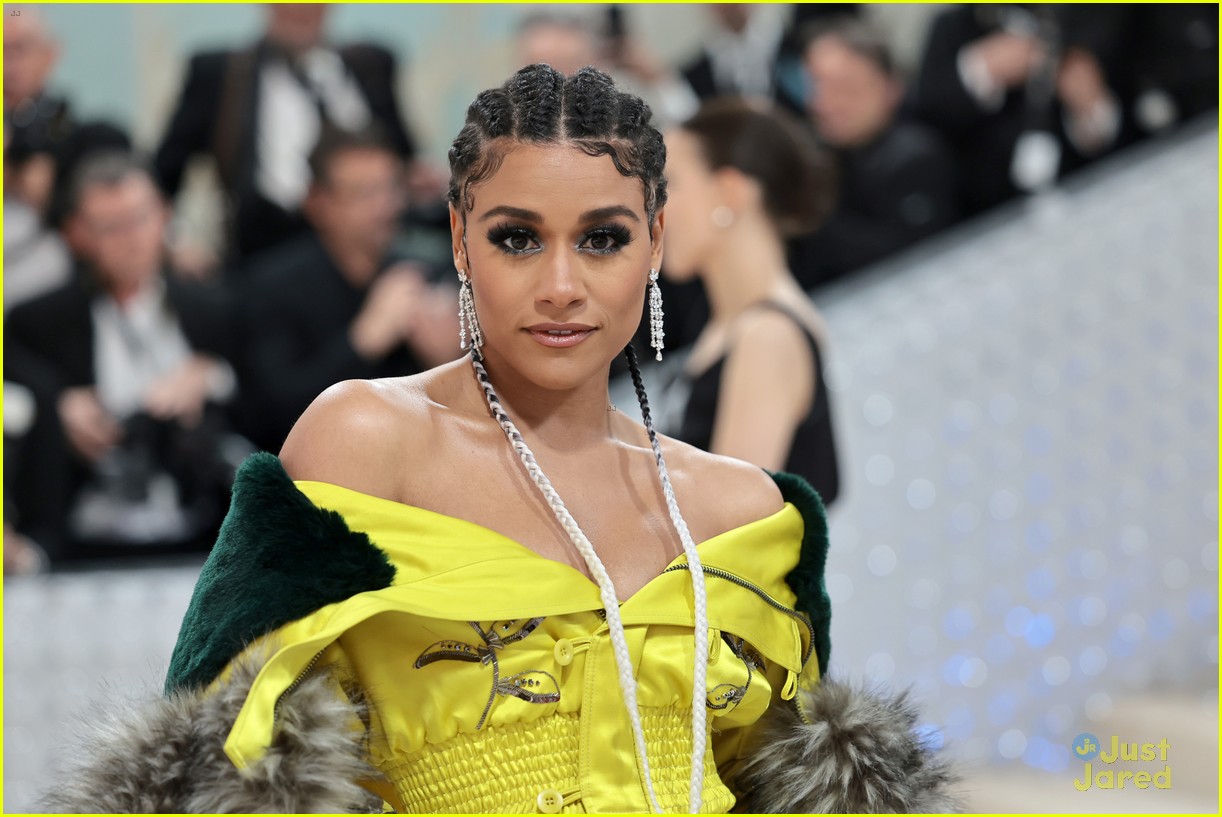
column 606, row 241
column 513, row 241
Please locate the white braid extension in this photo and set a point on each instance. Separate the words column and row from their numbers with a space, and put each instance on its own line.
column 700, row 668
column 619, row 641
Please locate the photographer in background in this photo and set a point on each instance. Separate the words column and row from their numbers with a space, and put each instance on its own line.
column 1021, row 94
column 340, row 301
column 897, row 178
column 129, row 450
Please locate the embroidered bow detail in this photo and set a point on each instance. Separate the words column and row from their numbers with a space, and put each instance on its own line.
column 532, row 686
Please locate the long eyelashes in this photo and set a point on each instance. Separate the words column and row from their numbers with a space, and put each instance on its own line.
column 612, row 238
column 513, row 239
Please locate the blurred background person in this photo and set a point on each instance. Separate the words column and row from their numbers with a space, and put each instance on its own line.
column 1160, row 59
column 44, row 140
column 755, row 50
column 36, row 259
column 897, row 178
column 1020, row 94
column 742, row 177
column 128, row 370
column 566, row 42
column 30, row 54
column 339, row 302
column 791, row 81
column 35, row 121
column 258, row 111
column 740, row 52
column 43, row 143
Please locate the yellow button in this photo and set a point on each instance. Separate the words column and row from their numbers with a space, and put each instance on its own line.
column 564, row 654
column 550, row 801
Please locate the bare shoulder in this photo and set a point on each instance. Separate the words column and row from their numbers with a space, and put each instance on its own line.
column 719, row 493
column 354, row 435
column 767, row 327
column 764, row 338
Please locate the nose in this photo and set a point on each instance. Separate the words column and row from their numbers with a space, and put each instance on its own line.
column 562, row 285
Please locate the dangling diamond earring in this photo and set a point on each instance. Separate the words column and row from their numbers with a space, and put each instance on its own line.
column 656, row 333
column 467, row 319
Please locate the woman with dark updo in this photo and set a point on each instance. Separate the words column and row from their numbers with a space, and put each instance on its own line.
column 743, row 176
column 479, row 588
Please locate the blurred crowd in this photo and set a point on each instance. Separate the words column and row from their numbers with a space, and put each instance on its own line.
column 141, row 364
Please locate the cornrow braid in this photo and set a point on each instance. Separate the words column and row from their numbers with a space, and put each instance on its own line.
column 588, row 114
column 540, row 105
column 538, row 96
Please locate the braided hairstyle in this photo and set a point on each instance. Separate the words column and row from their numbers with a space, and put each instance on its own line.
column 539, row 105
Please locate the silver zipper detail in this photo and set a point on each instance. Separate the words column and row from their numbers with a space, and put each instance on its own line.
column 741, row 582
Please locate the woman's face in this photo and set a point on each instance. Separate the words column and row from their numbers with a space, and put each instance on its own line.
column 558, row 250
column 692, row 195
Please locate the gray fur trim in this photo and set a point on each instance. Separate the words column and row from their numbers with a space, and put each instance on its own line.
column 858, row 754
column 166, row 755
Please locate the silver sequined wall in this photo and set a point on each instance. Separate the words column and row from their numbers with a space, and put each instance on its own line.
column 1029, row 418
column 1028, row 529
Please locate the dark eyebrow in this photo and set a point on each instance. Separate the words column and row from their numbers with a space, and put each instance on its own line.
column 607, row 212
column 512, row 212
column 535, row 218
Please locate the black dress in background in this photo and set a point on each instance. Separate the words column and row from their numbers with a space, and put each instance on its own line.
column 813, row 452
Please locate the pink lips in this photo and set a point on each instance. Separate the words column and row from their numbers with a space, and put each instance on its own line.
column 560, row 335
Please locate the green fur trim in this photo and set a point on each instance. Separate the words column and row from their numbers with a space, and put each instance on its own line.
column 278, row 558
column 806, row 580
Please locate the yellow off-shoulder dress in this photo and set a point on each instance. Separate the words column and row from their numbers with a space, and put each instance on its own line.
column 490, row 672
